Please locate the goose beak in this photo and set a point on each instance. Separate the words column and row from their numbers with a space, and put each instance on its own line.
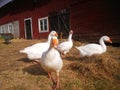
column 56, row 34
column 55, row 42
column 110, row 41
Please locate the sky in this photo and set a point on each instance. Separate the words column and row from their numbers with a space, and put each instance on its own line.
column 3, row 2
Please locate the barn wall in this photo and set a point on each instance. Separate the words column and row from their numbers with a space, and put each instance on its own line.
column 90, row 19
column 22, row 9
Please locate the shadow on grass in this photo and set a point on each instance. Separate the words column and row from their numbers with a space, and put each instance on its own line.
column 26, row 60
column 78, row 58
column 72, row 58
column 34, row 70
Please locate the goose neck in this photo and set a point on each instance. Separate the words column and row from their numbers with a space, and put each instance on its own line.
column 49, row 39
column 102, row 43
column 70, row 37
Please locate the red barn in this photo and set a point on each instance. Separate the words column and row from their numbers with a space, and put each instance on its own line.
column 90, row 19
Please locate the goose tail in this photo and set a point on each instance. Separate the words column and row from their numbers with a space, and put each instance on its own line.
column 22, row 51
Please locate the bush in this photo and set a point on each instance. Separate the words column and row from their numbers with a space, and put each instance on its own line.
column 7, row 37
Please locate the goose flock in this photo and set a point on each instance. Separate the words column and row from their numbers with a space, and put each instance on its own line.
column 49, row 54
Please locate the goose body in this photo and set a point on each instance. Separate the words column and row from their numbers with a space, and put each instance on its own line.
column 51, row 61
column 66, row 45
column 35, row 51
column 92, row 49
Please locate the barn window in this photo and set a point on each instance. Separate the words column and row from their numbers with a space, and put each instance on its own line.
column 43, row 24
column 10, row 28
column 2, row 29
column 6, row 29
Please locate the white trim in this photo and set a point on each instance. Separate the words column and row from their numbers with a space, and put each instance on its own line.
column 6, row 28
column 39, row 26
column 3, row 29
column 0, row 30
column 12, row 29
column 30, row 25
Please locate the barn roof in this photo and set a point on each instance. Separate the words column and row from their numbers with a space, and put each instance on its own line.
column 4, row 2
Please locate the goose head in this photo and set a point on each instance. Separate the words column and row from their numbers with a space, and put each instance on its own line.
column 71, row 32
column 53, row 33
column 54, row 41
column 107, row 39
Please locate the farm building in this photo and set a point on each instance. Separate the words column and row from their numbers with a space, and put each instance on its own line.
column 34, row 19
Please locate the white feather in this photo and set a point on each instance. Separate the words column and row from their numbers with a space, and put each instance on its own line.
column 66, row 45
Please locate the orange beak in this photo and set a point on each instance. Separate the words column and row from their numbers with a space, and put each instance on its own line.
column 109, row 41
column 55, row 42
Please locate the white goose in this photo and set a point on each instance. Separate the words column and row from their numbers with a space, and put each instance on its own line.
column 92, row 49
column 51, row 62
column 35, row 51
column 65, row 46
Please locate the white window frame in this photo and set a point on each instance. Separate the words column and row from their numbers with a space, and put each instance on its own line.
column 12, row 29
column 3, row 30
column 39, row 24
column 30, row 25
column 0, row 30
column 6, row 28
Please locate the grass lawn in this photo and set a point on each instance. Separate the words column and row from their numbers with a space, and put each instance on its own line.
column 98, row 72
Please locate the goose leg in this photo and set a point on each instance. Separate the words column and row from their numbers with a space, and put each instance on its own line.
column 36, row 61
column 61, row 52
column 58, row 81
column 63, row 55
column 53, row 81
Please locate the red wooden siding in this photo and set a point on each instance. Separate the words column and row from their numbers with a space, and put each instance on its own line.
column 90, row 19
column 93, row 18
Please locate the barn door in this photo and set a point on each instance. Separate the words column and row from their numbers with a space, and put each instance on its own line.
column 16, row 29
column 28, row 28
column 60, row 21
